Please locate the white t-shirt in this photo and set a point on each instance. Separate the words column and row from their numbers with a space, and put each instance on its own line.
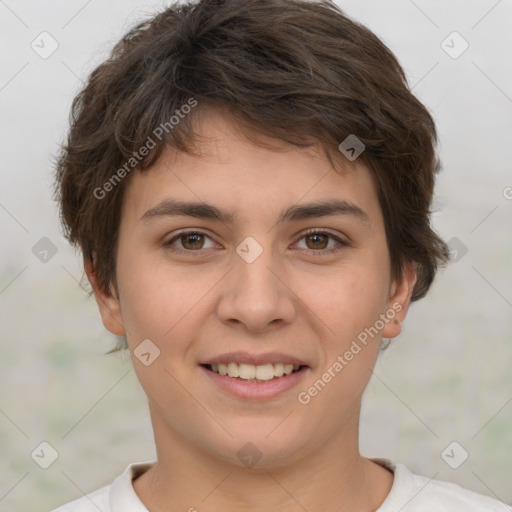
column 409, row 493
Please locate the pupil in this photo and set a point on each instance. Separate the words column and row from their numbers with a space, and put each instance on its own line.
column 194, row 238
column 316, row 238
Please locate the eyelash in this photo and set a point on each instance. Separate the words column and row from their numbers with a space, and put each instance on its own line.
column 313, row 231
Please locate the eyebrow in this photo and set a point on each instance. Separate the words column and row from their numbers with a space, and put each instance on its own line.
column 172, row 207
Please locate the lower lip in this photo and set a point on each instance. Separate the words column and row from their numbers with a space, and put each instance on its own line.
column 256, row 390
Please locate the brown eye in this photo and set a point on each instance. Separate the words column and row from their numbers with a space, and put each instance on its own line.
column 317, row 241
column 320, row 243
column 192, row 241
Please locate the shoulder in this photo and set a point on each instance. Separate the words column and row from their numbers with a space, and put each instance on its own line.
column 451, row 497
column 119, row 496
column 414, row 493
column 92, row 502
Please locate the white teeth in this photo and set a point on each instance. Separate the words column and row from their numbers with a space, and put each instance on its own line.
column 247, row 371
column 233, row 370
column 288, row 368
column 265, row 372
column 251, row 371
column 279, row 369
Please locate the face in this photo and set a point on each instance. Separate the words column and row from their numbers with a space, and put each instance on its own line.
column 254, row 261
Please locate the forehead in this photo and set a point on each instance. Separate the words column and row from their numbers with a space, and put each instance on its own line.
column 245, row 178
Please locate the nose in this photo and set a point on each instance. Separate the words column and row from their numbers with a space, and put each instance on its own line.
column 257, row 294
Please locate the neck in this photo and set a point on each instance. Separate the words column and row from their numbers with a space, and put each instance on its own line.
column 331, row 477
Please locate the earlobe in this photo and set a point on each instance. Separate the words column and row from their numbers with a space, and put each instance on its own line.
column 400, row 298
column 108, row 302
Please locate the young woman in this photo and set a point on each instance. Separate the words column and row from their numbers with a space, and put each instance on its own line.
column 250, row 183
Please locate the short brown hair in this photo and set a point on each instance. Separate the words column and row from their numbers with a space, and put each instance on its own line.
column 300, row 71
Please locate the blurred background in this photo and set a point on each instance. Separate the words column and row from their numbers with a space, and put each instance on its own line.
column 441, row 398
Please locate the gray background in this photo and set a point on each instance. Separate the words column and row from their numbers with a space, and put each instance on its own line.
column 446, row 378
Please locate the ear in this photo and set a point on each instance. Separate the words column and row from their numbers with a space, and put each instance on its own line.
column 108, row 303
column 399, row 300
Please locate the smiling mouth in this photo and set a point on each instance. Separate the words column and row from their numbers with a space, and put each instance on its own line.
column 254, row 373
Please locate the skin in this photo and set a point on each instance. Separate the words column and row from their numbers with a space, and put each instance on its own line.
column 197, row 305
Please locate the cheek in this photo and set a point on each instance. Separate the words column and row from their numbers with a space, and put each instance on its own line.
column 349, row 306
column 158, row 301
column 159, row 305
column 347, row 299
column 146, row 297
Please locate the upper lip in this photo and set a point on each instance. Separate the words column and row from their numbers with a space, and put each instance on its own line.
column 255, row 359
